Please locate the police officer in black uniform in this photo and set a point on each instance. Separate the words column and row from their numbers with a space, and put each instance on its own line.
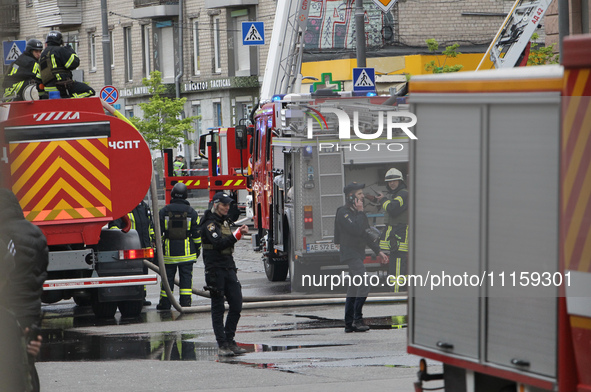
column 179, row 224
column 353, row 233
column 24, row 71
column 57, row 63
column 220, row 272
column 394, row 239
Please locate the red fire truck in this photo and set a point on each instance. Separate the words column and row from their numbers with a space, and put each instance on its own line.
column 224, row 149
column 74, row 168
column 500, row 231
column 300, row 167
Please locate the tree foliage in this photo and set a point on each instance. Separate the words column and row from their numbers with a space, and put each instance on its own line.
column 162, row 124
column 543, row 55
column 449, row 52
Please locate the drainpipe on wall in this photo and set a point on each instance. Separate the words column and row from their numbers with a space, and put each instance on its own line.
column 177, row 79
column 563, row 22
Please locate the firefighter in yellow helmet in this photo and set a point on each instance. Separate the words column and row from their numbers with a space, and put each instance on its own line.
column 394, row 238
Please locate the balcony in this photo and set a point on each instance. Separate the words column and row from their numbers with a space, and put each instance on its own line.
column 52, row 13
column 9, row 18
column 154, row 8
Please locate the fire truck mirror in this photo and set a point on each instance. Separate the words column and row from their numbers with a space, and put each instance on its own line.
column 241, row 137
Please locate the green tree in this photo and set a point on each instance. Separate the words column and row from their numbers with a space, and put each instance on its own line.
column 543, row 55
column 162, row 124
column 449, row 52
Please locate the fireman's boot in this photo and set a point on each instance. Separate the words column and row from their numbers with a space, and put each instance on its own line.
column 185, row 301
column 164, row 304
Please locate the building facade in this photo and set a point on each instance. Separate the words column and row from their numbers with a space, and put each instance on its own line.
column 220, row 76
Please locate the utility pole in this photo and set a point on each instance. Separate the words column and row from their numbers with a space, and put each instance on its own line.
column 563, row 22
column 106, row 44
column 360, row 33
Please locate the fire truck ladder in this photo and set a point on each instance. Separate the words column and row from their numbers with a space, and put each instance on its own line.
column 284, row 61
column 330, row 173
column 515, row 33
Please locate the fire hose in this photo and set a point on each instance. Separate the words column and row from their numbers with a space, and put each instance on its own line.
column 249, row 302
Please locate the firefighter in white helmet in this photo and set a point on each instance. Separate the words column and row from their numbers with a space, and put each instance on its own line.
column 394, row 239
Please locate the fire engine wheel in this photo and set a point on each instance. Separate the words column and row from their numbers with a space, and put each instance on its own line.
column 130, row 309
column 103, row 310
column 276, row 272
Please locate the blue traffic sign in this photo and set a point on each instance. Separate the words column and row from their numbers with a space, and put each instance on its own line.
column 12, row 50
column 109, row 94
column 364, row 79
column 253, row 33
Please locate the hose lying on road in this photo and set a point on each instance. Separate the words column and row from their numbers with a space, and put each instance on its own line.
column 278, row 297
column 250, row 302
column 276, row 300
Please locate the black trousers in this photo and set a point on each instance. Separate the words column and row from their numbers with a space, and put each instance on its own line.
column 356, row 294
column 185, row 278
column 227, row 284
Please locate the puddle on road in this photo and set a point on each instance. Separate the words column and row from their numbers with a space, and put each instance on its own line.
column 61, row 344
column 67, row 346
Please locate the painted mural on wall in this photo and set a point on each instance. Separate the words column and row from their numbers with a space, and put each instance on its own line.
column 331, row 25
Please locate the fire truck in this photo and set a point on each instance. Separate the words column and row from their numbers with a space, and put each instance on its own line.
column 74, row 168
column 500, row 226
column 224, row 149
column 300, row 168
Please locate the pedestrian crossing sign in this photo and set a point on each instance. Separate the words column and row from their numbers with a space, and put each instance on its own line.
column 364, row 79
column 12, row 50
column 253, row 33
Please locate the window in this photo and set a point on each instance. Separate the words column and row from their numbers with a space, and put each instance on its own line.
column 112, row 48
column 217, row 114
column 146, row 51
column 71, row 38
column 196, row 111
column 92, row 46
column 166, row 48
column 196, row 59
column 217, row 62
column 128, row 54
column 241, row 52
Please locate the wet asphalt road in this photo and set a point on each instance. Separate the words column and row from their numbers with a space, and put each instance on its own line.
column 300, row 348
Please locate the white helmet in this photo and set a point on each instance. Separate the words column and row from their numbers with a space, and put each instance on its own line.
column 393, row 175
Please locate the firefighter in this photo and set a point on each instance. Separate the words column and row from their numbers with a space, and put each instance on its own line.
column 353, row 233
column 220, row 272
column 394, row 238
column 181, row 244
column 141, row 221
column 178, row 166
column 57, row 63
column 23, row 72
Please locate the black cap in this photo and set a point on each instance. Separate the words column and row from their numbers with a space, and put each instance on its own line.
column 352, row 186
column 222, row 197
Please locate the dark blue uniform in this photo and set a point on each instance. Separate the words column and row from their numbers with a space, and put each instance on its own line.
column 220, row 274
